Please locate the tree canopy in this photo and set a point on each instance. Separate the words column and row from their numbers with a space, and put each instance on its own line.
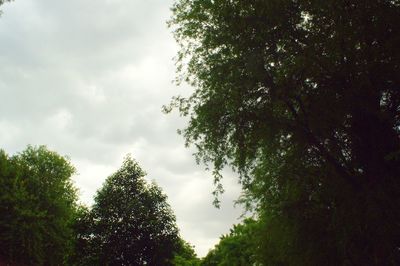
column 237, row 248
column 185, row 255
column 37, row 206
column 302, row 99
column 130, row 223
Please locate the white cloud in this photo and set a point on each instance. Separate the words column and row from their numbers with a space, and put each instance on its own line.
column 59, row 120
column 9, row 133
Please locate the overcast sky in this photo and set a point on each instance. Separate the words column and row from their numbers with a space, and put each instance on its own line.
column 88, row 79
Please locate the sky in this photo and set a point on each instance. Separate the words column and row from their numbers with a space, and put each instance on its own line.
column 88, row 79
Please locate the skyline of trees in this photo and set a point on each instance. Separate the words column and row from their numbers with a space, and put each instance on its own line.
column 42, row 223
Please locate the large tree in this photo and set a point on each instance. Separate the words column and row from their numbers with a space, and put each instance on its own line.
column 130, row 223
column 302, row 98
column 37, row 206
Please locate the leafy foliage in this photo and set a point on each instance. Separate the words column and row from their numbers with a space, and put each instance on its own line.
column 37, row 205
column 237, row 248
column 130, row 223
column 185, row 256
column 302, row 99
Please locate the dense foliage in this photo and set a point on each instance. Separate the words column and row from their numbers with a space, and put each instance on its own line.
column 185, row 255
column 237, row 248
column 130, row 223
column 302, row 99
column 37, row 207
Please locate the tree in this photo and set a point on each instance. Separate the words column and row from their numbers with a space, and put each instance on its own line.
column 185, row 255
column 37, row 205
column 86, row 249
column 302, row 99
column 130, row 223
column 237, row 248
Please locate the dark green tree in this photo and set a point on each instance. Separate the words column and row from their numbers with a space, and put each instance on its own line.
column 37, row 206
column 238, row 248
column 302, row 99
column 86, row 250
column 130, row 223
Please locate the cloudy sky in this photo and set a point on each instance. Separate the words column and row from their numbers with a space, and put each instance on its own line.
column 88, row 79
